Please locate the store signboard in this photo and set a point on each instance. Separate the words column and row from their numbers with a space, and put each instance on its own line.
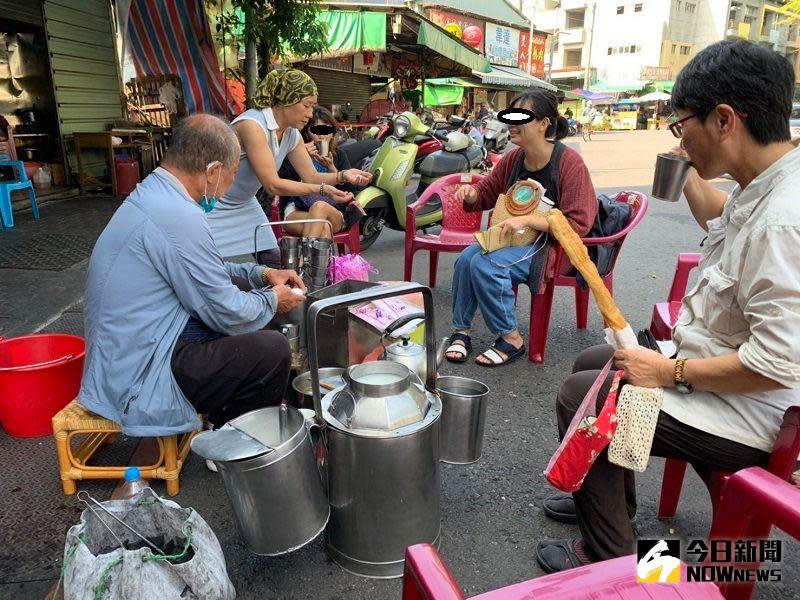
column 502, row 45
column 467, row 29
column 371, row 63
column 339, row 63
column 656, row 73
column 537, row 52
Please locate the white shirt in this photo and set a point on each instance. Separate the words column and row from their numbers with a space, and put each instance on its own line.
column 747, row 301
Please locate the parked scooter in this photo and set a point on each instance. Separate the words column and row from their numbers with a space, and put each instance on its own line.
column 495, row 135
column 385, row 201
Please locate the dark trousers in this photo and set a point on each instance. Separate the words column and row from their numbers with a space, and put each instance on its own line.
column 232, row 375
column 606, row 502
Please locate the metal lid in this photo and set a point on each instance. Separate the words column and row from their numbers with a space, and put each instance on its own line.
column 405, row 347
column 379, row 396
column 266, row 430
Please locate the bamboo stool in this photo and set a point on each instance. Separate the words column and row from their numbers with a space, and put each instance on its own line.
column 74, row 420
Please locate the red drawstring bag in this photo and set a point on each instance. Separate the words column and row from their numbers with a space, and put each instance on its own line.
column 584, row 441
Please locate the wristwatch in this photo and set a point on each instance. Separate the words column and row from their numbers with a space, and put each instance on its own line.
column 264, row 274
column 683, row 386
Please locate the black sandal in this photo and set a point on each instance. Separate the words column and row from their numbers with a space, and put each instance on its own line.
column 558, row 555
column 496, row 359
column 463, row 349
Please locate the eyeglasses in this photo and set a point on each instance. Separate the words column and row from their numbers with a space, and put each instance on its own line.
column 677, row 127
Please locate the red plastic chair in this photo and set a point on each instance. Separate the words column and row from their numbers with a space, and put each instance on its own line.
column 458, row 226
column 665, row 314
column 350, row 238
column 752, row 501
column 426, row 577
column 542, row 304
column 781, row 464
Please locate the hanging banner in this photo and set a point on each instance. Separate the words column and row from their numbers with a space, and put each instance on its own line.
column 467, row 29
column 339, row 63
column 502, row 45
column 537, row 52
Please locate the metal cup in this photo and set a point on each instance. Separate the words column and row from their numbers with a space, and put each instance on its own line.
column 290, row 252
column 322, row 147
column 670, row 176
column 292, row 333
column 464, row 403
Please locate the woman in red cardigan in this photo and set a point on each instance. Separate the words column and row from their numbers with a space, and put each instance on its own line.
column 486, row 280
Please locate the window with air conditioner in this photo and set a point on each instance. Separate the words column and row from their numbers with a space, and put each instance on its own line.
column 690, row 7
column 637, row 8
column 674, row 48
column 685, row 50
column 620, row 10
column 610, row 49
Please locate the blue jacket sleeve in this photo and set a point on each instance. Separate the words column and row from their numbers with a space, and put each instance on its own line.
column 250, row 271
column 200, row 278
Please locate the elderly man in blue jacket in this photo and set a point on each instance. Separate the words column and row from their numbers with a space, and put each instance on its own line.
column 168, row 333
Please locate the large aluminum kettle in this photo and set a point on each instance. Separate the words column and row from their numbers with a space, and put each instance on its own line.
column 408, row 353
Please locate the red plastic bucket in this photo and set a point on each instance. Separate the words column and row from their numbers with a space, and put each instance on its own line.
column 39, row 375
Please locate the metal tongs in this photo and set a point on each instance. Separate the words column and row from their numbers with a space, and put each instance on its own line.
column 88, row 501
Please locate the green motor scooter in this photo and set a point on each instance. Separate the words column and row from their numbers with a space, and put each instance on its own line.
column 385, row 200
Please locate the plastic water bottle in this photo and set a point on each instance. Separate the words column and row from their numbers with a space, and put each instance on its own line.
column 133, row 483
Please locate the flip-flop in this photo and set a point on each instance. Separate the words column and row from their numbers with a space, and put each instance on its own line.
column 503, row 346
column 463, row 349
column 558, row 555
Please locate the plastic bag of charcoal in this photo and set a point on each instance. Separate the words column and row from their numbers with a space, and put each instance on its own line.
column 144, row 547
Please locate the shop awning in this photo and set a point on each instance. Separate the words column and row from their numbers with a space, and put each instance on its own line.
column 442, row 94
column 513, row 77
column 354, row 31
column 569, row 95
column 662, row 85
column 460, row 81
column 441, row 42
column 619, row 86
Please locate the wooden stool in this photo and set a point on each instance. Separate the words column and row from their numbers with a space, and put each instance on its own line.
column 74, row 420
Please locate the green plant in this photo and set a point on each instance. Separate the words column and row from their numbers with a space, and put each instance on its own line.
column 279, row 28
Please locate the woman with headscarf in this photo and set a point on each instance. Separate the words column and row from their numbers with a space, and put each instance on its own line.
column 268, row 135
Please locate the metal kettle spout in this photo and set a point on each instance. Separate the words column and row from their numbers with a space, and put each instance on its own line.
column 440, row 350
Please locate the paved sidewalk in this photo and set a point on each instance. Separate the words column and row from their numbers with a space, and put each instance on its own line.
column 491, row 511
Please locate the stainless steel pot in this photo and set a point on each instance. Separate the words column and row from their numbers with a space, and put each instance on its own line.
column 382, row 434
column 271, row 478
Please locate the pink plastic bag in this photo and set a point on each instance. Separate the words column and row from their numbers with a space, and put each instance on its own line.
column 349, row 266
column 584, row 441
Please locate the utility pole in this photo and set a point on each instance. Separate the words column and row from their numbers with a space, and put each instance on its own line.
column 587, row 75
column 553, row 42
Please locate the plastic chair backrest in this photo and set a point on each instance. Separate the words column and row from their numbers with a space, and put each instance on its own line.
column 454, row 217
column 19, row 167
column 787, row 445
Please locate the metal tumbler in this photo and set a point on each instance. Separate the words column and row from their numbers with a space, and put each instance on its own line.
column 670, row 176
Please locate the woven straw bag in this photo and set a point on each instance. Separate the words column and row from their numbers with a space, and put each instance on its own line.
column 521, row 199
column 637, row 417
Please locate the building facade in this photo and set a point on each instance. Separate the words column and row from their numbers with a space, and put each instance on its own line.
column 611, row 44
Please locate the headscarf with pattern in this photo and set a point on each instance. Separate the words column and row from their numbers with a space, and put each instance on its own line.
column 284, row 87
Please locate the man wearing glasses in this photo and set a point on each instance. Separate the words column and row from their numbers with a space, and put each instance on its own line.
column 737, row 366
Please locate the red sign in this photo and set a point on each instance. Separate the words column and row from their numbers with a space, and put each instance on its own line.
column 467, row 29
column 537, row 52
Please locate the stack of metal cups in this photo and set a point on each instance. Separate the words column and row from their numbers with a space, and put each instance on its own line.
column 316, row 259
column 290, row 253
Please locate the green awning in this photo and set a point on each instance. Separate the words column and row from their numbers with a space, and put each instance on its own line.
column 461, row 81
column 618, row 86
column 662, row 85
column 442, row 95
column 569, row 95
column 511, row 77
column 441, row 42
column 353, row 31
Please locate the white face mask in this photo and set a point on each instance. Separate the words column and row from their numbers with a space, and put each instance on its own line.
column 205, row 203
